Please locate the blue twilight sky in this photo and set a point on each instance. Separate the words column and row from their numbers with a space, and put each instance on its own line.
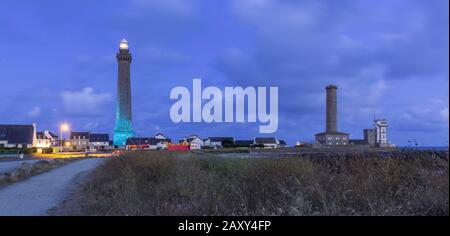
column 387, row 57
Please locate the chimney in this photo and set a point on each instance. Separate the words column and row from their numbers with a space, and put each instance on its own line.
column 331, row 113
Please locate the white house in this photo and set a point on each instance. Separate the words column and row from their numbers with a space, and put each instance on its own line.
column 161, row 141
column 196, row 143
column 42, row 140
column 270, row 142
column 98, row 141
column 79, row 140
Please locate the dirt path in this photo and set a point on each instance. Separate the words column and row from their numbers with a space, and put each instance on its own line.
column 35, row 196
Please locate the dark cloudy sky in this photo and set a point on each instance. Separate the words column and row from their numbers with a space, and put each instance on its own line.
column 388, row 57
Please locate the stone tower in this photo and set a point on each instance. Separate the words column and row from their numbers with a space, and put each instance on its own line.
column 331, row 110
column 123, row 129
column 331, row 136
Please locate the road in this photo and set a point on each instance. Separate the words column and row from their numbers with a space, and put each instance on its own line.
column 36, row 195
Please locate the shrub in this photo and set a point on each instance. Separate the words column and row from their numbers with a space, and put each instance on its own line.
column 160, row 183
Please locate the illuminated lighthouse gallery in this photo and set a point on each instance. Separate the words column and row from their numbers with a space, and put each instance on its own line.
column 123, row 129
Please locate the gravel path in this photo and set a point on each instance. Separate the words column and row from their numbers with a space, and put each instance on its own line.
column 35, row 196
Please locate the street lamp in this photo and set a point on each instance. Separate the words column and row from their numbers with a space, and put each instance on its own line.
column 64, row 127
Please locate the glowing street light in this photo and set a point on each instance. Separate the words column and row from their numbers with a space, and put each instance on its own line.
column 64, row 127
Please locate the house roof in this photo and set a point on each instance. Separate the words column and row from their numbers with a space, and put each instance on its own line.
column 220, row 139
column 160, row 134
column 98, row 137
column 17, row 134
column 53, row 135
column 140, row 141
column 282, row 142
column 332, row 133
column 45, row 134
column 41, row 135
column 195, row 138
column 243, row 142
column 73, row 134
column 165, row 139
column 269, row 140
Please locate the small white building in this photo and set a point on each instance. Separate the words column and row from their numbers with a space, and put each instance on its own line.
column 269, row 142
column 381, row 132
column 161, row 141
column 79, row 140
column 98, row 141
column 42, row 140
column 196, row 143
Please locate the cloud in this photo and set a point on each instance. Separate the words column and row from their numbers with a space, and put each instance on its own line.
column 321, row 38
column 163, row 57
column 173, row 7
column 432, row 114
column 36, row 111
column 387, row 57
column 85, row 102
column 91, row 125
column 443, row 114
column 364, row 47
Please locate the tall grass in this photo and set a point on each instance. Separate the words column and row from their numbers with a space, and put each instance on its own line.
column 160, row 183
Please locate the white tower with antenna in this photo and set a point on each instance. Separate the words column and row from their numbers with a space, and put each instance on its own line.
column 381, row 132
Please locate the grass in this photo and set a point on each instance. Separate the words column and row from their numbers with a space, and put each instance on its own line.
column 161, row 183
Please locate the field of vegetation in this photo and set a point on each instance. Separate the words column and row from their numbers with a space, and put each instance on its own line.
column 170, row 183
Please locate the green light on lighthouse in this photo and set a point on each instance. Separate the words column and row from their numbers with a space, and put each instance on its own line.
column 124, row 128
